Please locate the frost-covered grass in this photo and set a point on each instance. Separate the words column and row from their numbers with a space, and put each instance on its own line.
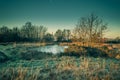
column 27, row 64
column 60, row 68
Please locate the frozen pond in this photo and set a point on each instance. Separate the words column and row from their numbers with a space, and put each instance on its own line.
column 55, row 49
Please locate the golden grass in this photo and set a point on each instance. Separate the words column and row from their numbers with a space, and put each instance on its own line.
column 83, row 68
column 26, row 44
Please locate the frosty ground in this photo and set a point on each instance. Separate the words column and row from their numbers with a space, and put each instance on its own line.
column 24, row 62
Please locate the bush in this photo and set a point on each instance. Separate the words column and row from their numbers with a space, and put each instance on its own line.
column 3, row 57
column 28, row 55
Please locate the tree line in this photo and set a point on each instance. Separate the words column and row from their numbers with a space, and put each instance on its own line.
column 32, row 33
column 88, row 29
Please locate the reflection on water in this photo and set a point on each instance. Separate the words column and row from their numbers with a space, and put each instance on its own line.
column 55, row 49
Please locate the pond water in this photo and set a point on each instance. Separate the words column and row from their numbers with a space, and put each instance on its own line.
column 54, row 49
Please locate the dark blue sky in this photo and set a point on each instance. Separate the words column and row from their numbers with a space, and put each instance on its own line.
column 56, row 14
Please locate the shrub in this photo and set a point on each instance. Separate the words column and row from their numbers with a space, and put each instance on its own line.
column 3, row 57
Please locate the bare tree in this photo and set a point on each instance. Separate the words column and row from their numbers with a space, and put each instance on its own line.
column 90, row 29
column 96, row 28
column 41, row 32
column 66, row 34
column 27, row 30
column 58, row 35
